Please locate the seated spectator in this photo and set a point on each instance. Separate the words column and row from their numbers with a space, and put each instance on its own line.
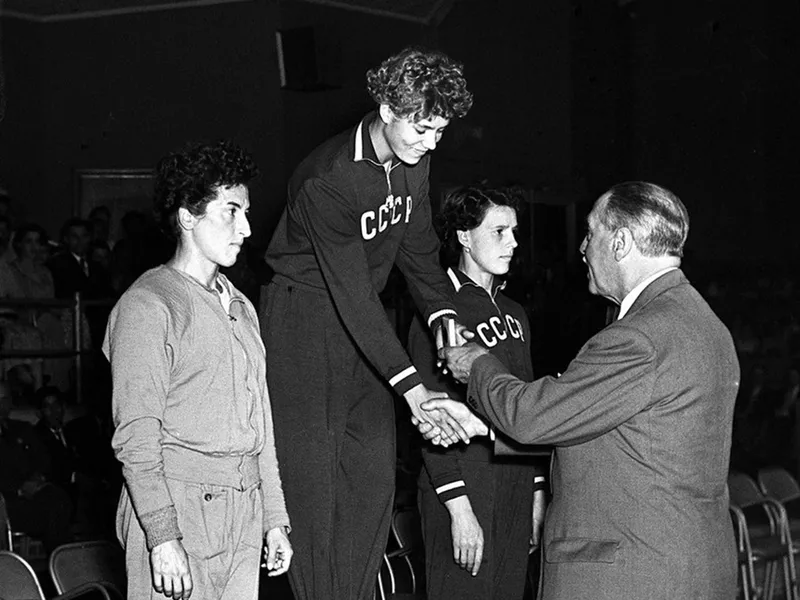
column 72, row 466
column 27, row 277
column 36, row 505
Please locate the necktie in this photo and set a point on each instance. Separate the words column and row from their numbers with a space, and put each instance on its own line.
column 85, row 267
column 59, row 433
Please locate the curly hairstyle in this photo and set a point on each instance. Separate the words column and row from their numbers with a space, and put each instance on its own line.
column 420, row 83
column 464, row 209
column 190, row 179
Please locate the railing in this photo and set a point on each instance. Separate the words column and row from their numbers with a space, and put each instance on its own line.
column 76, row 305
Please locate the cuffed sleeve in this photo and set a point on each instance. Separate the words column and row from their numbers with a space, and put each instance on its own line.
column 138, row 348
column 160, row 526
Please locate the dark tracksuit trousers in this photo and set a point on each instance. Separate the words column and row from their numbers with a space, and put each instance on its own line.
column 335, row 438
column 501, row 496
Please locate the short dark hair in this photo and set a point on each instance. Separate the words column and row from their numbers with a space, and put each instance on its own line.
column 75, row 222
column 464, row 209
column 190, row 178
column 422, row 84
column 23, row 230
column 657, row 218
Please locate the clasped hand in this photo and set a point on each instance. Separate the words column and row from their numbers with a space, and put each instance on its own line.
column 444, row 421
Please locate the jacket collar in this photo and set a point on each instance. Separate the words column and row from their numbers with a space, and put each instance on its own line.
column 361, row 143
column 656, row 288
column 459, row 279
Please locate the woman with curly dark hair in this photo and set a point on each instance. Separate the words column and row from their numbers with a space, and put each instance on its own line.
column 191, row 410
column 357, row 205
column 480, row 513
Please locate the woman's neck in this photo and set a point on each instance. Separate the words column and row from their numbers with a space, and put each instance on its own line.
column 474, row 272
column 187, row 262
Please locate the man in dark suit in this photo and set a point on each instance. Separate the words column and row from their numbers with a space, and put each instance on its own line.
column 35, row 504
column 70, row 268
column 640, row 420
column 77, row 452
column 74, row 271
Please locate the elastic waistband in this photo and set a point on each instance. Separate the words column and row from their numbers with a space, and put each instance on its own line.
column 239, row 472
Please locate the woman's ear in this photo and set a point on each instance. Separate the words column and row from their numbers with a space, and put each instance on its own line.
column 387, row 114
column 186, row 219
column 463, row 238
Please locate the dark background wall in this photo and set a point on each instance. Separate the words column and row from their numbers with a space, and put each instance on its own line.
column 571, row 96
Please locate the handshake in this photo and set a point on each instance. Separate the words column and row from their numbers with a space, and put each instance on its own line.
column 439, row 419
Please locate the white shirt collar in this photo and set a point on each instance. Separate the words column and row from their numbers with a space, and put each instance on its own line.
column 628, row 300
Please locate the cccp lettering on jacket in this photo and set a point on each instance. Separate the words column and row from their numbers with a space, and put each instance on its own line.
column 388, row 214
column 498, row 328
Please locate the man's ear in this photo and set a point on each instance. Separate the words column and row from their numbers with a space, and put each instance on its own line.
column 622, row 243
column 186, row 220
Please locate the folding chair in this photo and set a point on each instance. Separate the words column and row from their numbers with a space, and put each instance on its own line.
column 398, row 579
column 32, row 550
column 747, row 576
column 760, row 547
column 99, row 562
column 778, row 483
column 18, row 581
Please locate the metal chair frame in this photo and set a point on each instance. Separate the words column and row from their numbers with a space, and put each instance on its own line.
column 768, row 549
column 94, row 572
column 13, row 565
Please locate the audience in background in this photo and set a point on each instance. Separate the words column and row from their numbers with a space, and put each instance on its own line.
column 36, row 327
column 70, row 267
column 36, row 505
column 75, row 450
column 26, row 275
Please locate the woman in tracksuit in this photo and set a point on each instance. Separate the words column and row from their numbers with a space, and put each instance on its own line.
column 357, row 206
column 480, row 512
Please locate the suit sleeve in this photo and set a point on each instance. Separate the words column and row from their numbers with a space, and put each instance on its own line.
column 418, row 260
column 333, row 229
column 442, row 464
column 275, row 514
column 610, row 381
column 140, row 355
